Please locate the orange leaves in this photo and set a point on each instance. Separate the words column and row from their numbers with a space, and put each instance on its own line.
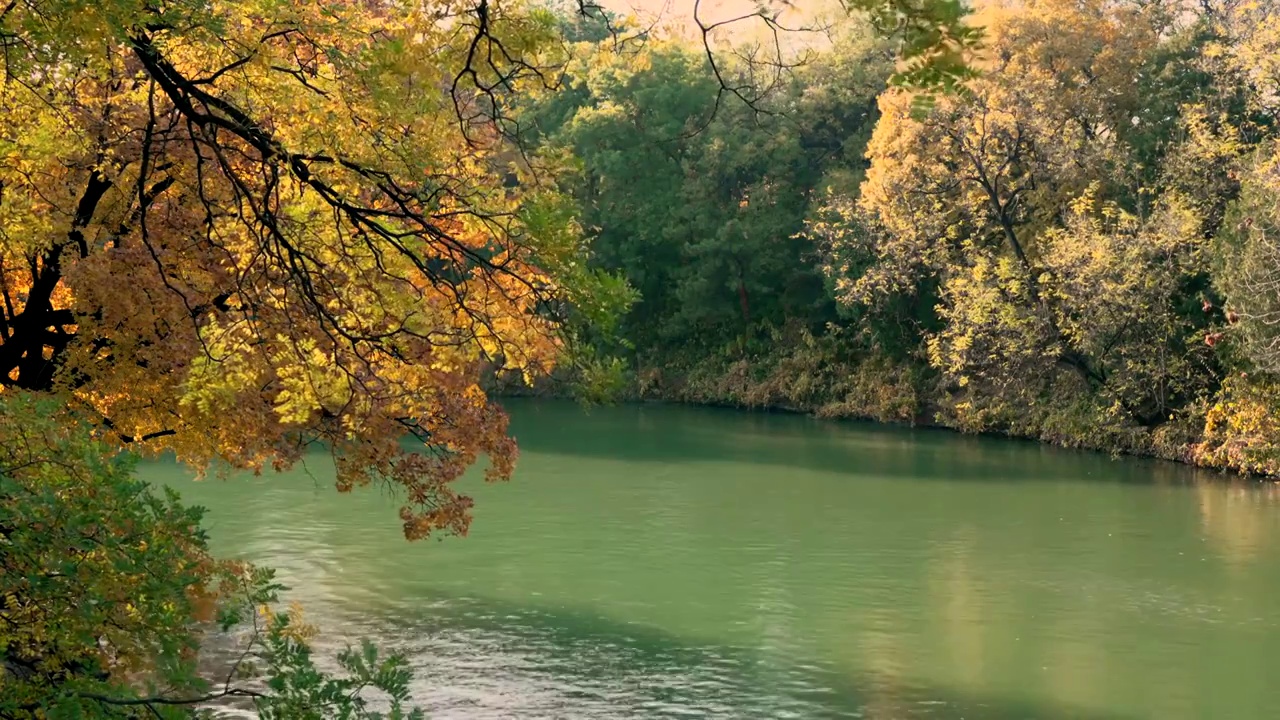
column 261, row 226
column 1241, row 428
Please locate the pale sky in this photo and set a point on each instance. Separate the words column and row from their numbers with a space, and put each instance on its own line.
column 678, row 14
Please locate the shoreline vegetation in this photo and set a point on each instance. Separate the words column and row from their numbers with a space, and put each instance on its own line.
column 728, row 391
column 1078, row 246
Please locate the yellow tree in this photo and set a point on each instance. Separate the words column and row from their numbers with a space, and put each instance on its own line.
column 1249, row 50
column 1241, row 428
column 234, row 228
column 1059, row 270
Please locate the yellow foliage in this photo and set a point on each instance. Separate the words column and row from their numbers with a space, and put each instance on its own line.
column 294, row 623
column 1249, row 47
column 255, row 224
column 1242, row 428
column 1061, row 264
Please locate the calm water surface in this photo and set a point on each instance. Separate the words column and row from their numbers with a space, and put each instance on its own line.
column 659, row 562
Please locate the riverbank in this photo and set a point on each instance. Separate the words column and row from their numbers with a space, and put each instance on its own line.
column 815, row 384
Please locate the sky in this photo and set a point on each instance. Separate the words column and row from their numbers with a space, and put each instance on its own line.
column 677, row 15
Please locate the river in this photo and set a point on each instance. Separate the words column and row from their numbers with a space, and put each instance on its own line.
column 668, row 562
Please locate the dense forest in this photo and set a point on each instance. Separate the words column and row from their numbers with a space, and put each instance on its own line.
column 236, row 232
column 1075, row 246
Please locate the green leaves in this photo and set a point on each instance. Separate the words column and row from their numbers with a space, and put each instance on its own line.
column 695, row 202
column 94, row 570
column 300, row 692
column 107, row 589
column 936, row 42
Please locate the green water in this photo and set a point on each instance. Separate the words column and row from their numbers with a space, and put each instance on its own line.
column 690, row 563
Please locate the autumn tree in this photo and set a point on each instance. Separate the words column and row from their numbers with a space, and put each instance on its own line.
column 233, row 229
column 1240, row 426
column 1246, row 249
column 1066, row 270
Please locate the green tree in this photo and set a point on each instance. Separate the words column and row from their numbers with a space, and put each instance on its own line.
column 107, row 587
column 697, row 201
column 230, row 230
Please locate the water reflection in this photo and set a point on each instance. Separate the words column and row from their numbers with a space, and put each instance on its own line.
column 1239, row 517
column 653, row 563
column 480, row 660
column 685, row 434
